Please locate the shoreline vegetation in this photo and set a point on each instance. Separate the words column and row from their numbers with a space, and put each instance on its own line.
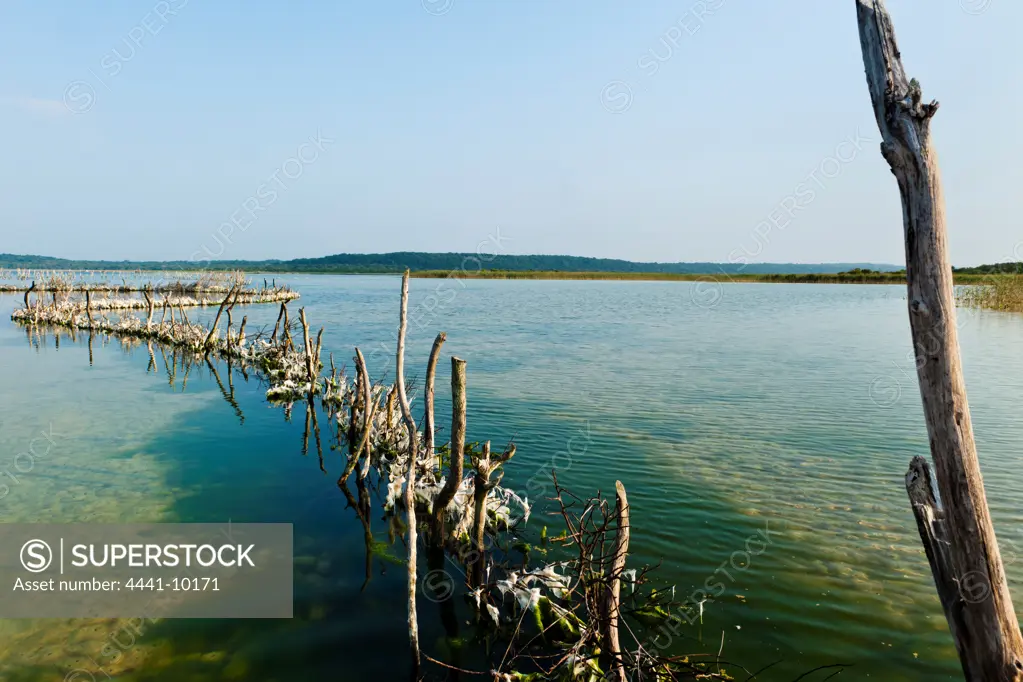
column 57, row 280
column 992, row 287
column 557, row 601
column 790, row 278
column 849, row 277
column 999, row 292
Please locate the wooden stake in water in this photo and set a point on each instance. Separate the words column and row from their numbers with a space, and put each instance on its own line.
column 88, row 309
column 957, row 534
column 431, row 372
column 458, row 400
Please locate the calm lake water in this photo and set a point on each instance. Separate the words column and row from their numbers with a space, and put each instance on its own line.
column 785, row 410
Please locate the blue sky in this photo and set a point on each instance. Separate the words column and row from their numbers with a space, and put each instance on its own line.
column 699, row 130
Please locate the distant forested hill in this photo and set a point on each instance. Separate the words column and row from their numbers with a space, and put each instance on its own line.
column 997, row 268
column 394, row 262
column 398, row 261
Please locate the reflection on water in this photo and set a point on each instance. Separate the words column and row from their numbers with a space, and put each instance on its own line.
column 792, row 409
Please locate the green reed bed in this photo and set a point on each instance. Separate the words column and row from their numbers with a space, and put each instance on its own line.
column 994, row 292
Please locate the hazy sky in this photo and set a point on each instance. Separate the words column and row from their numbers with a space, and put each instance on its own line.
column 647, row 130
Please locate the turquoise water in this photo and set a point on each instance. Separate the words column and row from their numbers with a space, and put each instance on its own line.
column 790, row 410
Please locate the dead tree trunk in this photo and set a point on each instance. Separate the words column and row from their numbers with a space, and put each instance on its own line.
column 481, row 488
column 207, row 344
column 230, row 320
column 410, row 478
column 310, row 370
column 286, row 331
column 428, row 426
column 389, row 409
column 317, row 348
column 484, row 466
column 368, row 408
column 149, row 309
column 454, row 479
column 88, row 305
column 280, row 315
column 958, row 535
column 612, row 595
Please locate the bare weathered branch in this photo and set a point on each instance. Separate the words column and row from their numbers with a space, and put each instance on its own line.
column 612, row 602
column 364, row 388
column 410, row 477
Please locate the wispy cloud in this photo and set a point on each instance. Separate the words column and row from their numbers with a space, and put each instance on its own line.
column 35, row 105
